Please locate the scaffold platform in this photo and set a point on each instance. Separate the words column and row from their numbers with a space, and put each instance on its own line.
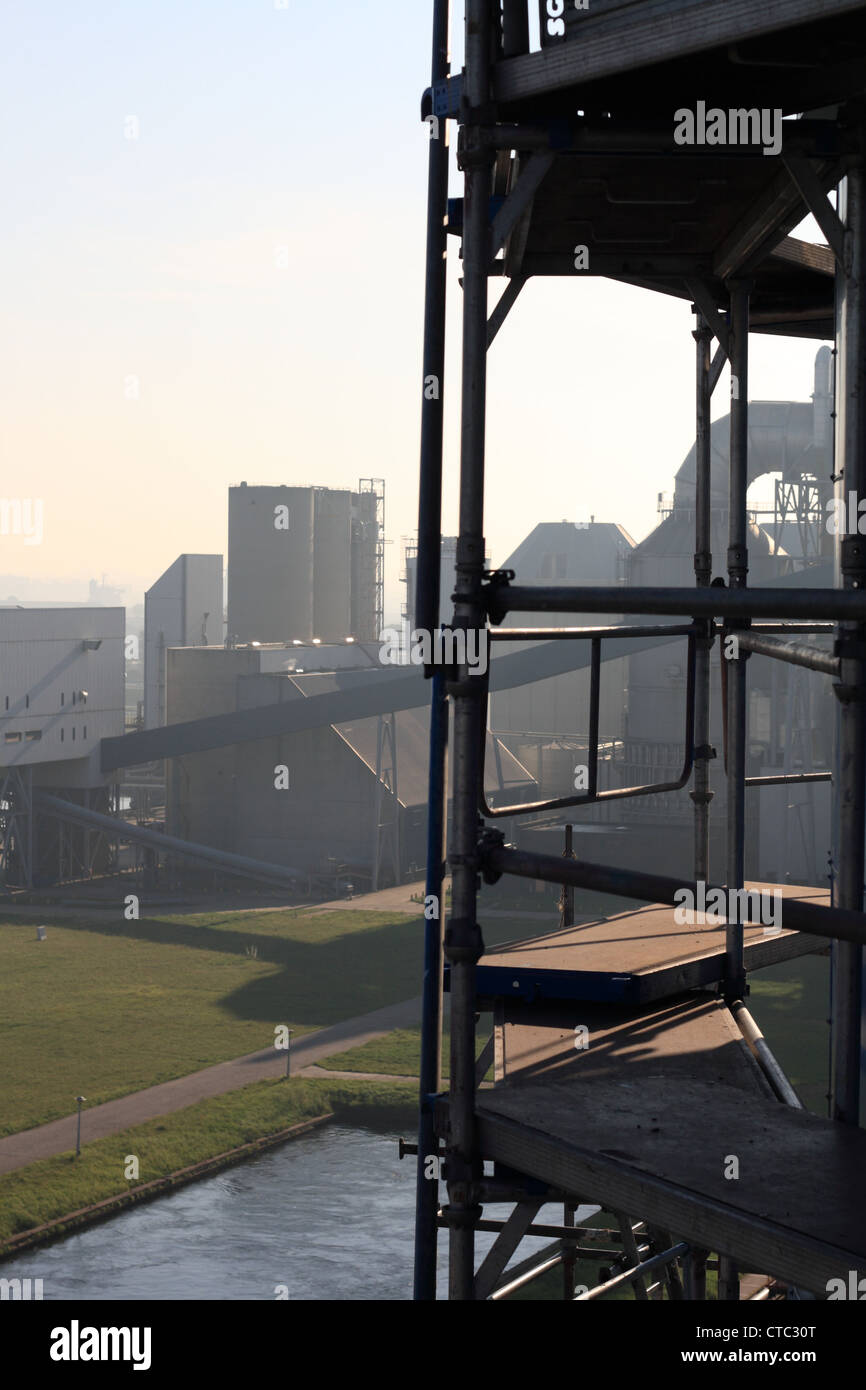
column 648, row 1116
column 637, row 956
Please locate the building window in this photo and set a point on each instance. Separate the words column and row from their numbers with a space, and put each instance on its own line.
column 33, row 735
column 12, row 738
column 73, row 733
column 62, row 735
column 62, row 698
column 85, row 731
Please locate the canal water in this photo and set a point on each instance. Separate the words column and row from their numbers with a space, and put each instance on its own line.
column 327, row 1216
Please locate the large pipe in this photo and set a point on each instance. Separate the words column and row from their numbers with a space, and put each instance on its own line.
column 432, row 395
column 156, row 839
column 851, row 690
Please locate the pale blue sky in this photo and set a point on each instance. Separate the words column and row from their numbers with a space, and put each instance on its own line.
column 237, row 293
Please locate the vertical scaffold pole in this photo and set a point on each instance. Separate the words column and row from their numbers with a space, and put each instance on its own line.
column 738, row 566
column 432, row 396
column 701, row 794
column 463, row 944
column 848, row 1024
column 427, row 1186
column 427, row 620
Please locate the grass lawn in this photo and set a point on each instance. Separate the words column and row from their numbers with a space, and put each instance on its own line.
column 54, row 1187
column 102, row 1008
column 396, row 1054
column 791, row 1003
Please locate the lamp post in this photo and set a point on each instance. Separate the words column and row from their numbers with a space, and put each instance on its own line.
column 289, row 1054
column 81, row 1100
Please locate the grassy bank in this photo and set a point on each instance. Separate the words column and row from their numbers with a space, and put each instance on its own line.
column 395, row 1054
column 790, row 1003
column 103, row 1007
column 55, row 1187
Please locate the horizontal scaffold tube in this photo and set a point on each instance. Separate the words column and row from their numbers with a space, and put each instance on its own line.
column 834, row 922
column 700, row 603
column 560, row 634
column 796, row 653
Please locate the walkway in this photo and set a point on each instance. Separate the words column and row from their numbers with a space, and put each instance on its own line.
column 58, row 1136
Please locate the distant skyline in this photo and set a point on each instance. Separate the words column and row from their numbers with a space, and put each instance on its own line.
column 213, row 271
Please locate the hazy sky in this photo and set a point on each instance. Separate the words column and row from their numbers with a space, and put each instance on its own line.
column 212, row 270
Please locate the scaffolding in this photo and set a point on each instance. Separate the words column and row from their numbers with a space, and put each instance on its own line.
column 570, row 167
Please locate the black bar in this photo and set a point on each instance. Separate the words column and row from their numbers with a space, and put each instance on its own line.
column 432, row 401
column 594, row 708
column 427, row 1189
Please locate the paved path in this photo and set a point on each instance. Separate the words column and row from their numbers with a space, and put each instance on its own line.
column 397, row 899
column 58, row 1136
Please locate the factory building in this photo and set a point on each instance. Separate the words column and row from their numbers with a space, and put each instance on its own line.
column 545, row 724
column 791, row 711
column 305, row 562
column 184, row 608
column 343, row 802
column 61, row 692
column 447, row 576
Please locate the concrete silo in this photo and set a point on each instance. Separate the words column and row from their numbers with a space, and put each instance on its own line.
column 332, row 565
column 271, row 564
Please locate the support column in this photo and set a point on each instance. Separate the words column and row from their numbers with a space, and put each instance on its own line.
column 432, row 397
column 426, row 1188
column 848, row 990
column 463, row 943
column 701, row 794
column 738, row 566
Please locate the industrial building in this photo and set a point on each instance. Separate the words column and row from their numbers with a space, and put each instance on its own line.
column 61, row 693
column 183, row 608
column 342, row 802
column 545, row 724
column 305, row 562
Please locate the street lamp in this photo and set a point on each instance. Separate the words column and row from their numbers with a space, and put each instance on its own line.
column 289, row 1053
column 81, row 1100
